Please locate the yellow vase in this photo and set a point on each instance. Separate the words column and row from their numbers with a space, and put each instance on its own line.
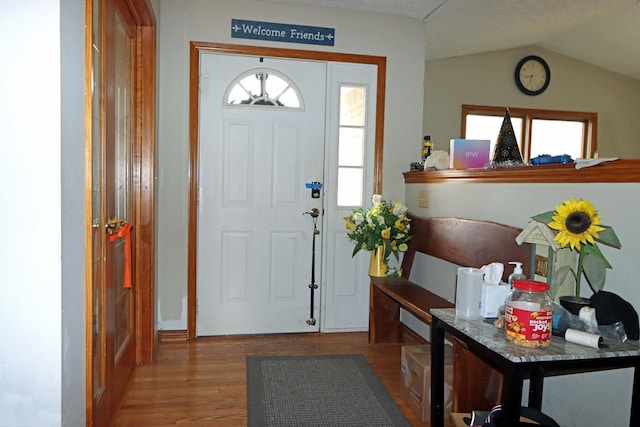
column 377, row 266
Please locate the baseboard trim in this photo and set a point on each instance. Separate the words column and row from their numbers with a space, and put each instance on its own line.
column 181, row 335
column 173, row 336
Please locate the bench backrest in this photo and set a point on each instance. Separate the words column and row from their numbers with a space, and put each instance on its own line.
column 466, row 242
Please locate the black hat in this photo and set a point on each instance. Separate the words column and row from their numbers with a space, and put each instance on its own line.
column 611, row 308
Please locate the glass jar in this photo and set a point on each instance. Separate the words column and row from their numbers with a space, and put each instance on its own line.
column 528, row 314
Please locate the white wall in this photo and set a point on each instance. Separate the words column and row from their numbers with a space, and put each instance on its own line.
column 73, row 345
column 569, row 399
column 41, row 118
column 488, row 79
column 400, row 39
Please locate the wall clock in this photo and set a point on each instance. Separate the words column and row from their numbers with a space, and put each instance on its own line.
column 532, row 75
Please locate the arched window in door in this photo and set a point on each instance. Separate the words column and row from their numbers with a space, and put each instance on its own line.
column 263, row 87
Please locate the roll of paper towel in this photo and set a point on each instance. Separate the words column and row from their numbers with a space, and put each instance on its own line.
column 584, row 338
column 588, row 314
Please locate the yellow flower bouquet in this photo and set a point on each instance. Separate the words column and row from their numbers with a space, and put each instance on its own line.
column 384, row 225
column 578, row 226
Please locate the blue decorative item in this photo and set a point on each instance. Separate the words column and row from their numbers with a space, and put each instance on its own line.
column 545, row 159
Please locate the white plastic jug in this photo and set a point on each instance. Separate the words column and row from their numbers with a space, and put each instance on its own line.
column 469, row 292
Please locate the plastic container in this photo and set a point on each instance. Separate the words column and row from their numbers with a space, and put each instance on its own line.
column 517, row 273
column 427, row 146
column 529, row 314
column 469, row 292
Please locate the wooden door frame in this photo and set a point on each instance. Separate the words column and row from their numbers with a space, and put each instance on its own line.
column 196, row 48
column 144, row 174
column 143, row 183
column 144, row 170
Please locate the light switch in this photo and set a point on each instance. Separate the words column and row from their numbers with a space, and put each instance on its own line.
column 424, row 197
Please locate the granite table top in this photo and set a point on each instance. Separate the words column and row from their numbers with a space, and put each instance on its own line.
column 494, row 339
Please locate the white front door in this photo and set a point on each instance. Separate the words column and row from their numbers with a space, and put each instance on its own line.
column 255, row 242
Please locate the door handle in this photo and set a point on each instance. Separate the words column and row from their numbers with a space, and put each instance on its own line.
column 315, row 213
column 114, row 225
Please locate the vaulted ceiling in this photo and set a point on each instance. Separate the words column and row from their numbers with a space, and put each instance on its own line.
column 603, row 33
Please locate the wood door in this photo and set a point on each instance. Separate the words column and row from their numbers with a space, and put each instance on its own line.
column 113, row 338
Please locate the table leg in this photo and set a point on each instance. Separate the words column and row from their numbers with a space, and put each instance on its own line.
column 437, row 374
column 511, row 398
column 634, row 419
column 535, row 389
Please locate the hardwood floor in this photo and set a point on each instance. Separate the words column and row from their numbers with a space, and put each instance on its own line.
column 203, row 383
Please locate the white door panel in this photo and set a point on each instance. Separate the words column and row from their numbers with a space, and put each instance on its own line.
column 254, row 243
column 346, row 283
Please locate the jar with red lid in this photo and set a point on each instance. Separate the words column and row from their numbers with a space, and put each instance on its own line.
column 528, row 314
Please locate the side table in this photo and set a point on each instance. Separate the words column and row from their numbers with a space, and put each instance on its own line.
column 518, row 363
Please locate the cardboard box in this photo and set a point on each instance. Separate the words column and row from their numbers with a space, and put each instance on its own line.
column 458, row 419
column 415, row 379
column 469, row 153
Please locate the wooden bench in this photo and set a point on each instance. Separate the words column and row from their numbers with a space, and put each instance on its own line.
column 464, row 242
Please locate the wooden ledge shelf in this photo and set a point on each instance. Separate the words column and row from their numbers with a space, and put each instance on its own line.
column 617, row 171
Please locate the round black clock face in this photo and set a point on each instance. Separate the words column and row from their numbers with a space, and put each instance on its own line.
column 532, row 75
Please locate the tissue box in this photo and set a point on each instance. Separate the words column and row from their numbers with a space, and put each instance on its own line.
column 415, row 379
column 469, row 153
column 492, row 298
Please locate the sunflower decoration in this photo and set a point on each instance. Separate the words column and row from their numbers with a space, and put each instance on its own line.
column 577, row 223
column 578, row 226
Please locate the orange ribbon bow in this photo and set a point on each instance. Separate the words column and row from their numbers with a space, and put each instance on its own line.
column 125, row 231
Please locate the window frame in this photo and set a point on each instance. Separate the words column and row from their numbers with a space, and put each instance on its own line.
column 589, row 138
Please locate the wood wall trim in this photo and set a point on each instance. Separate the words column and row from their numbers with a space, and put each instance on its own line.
column 145, row 176
column 192, row 226
column 379, row 144
column 141, row 11
column 196, row 47
column 278, row 52
column 88, row 210
column 173, row 336
column 619, row 171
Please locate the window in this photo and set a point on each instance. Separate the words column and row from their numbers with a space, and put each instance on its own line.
column 263, row 87
column 351, row 144
column 537, row 131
